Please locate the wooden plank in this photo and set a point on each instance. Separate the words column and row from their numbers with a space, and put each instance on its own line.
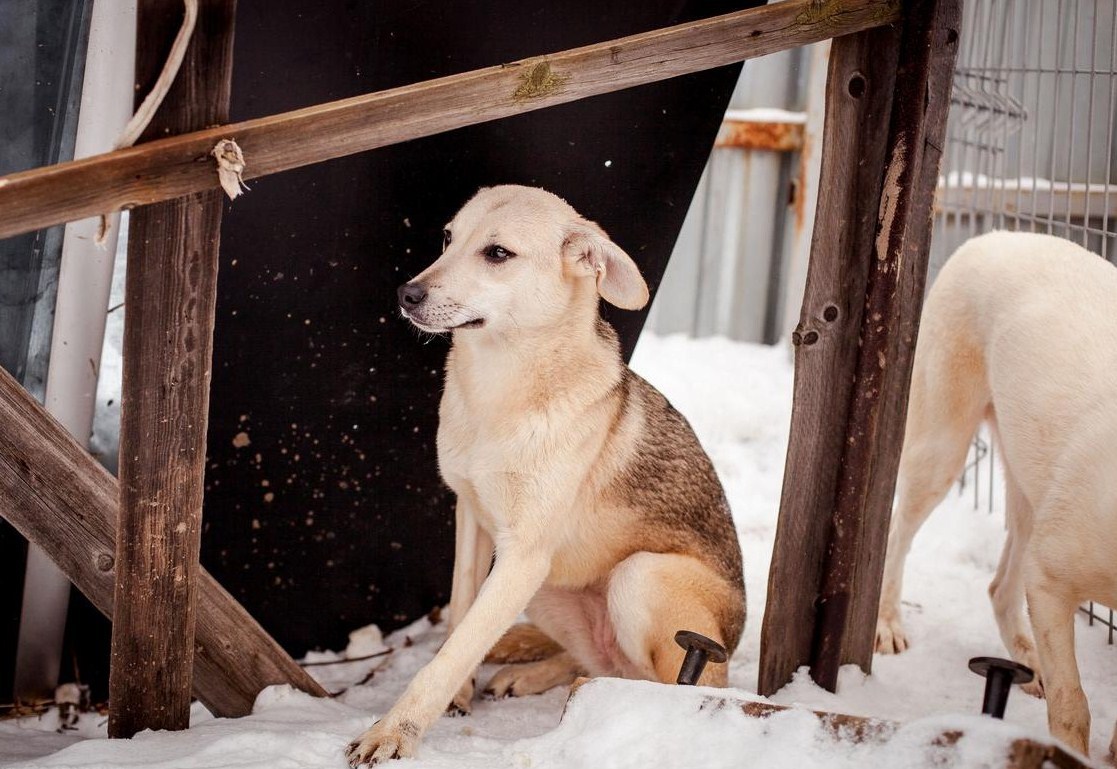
column 920, row 111
column 170, row 295
column 181, row 165
column 852, row 378
column 61, row 499
column 858, row 107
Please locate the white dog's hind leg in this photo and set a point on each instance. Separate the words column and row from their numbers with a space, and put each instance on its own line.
column 1006, row 591
column 933, row 454
column 1068, row 715
column 949, row 396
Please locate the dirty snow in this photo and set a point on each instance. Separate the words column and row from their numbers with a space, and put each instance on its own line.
column 737, row 396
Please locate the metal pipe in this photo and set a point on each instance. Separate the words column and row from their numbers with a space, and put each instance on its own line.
column 84, row 280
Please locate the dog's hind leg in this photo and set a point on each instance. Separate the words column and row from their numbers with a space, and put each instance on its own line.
column 948, row 399
column 653, row 595
column 546, row 652
column 523, row 643
column 1006, row 591
column 1052, row 615
column 534, row 677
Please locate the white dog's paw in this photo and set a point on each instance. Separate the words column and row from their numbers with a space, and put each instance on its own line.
column 891, row 638
column 1034, row 687
column 383, row 742
column 462, row 704
column 1024, row 651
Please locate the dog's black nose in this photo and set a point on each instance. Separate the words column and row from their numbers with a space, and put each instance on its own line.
column 411, row 294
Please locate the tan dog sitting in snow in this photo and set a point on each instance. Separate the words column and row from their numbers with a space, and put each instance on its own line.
column 1021, row 330
column 610, row 527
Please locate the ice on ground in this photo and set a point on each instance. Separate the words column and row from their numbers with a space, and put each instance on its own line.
column 738, row 398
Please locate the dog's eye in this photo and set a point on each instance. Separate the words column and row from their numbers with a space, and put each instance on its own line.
column 497, row 254
column 445, row 239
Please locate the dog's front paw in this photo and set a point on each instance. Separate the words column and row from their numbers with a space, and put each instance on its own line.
column 382, row 742
column 891, row 638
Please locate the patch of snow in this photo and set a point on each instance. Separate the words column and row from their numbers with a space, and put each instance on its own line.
column 765, row 115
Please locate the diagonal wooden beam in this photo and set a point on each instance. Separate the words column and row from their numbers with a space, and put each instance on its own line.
column 181, row 165
column 60, row 498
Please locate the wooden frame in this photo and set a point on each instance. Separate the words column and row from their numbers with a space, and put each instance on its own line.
column 854, row 343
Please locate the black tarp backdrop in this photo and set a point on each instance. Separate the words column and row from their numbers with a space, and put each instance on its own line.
column 324, row 510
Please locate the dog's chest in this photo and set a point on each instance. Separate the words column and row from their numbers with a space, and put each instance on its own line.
column 479, row 445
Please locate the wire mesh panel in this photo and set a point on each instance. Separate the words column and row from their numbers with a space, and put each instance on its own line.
column 1030, row 139
column 1030, row 146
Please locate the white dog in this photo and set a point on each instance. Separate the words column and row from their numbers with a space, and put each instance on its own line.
column 609, row 524
column 1020, row 329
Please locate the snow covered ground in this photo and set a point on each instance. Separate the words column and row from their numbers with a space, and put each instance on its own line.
column 738, row 397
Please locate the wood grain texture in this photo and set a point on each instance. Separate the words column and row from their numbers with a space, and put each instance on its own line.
column 60, row 498
column 858, row 110
column 920, row 111
column 170, row 297
column 181, row 165
column 830, row 546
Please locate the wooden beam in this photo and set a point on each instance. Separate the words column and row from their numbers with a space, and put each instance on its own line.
column 858, row 106
column 896, row 292
column 855, row 339
column 181, row 165
column 170, row 298
column 60, row 498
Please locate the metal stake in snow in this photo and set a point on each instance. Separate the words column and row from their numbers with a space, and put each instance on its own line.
column 1000, row 675
column 699, row 650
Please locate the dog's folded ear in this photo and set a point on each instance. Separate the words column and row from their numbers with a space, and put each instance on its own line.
column 619, row 281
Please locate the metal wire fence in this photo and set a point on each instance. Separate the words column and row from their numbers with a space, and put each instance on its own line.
column 1031, row 134
column 1030, row 146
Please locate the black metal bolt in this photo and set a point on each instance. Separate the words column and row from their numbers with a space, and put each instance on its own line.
column 1000, row 675
column 699, row 650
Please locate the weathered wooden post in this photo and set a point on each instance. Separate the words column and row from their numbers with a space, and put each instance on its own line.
column 887, row 101
column 170, row 295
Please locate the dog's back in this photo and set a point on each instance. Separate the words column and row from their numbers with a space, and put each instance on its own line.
column 1031, row 320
